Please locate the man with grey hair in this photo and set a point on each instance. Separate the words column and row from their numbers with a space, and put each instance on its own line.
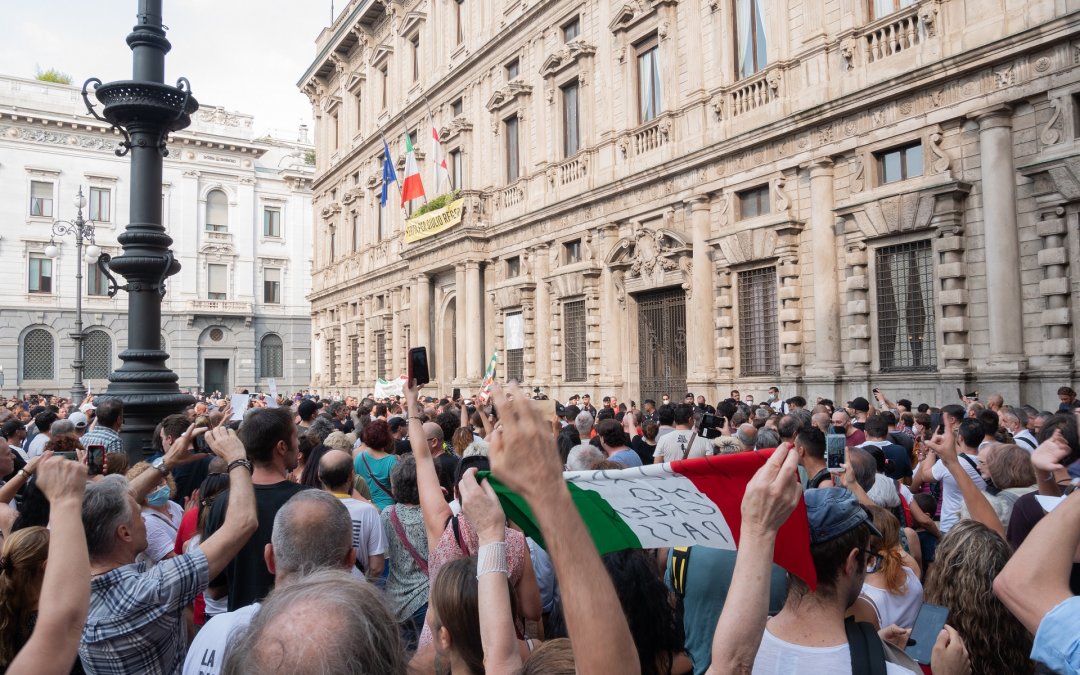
column 336, row 471
column 747, row 436
column 584, row 425
column 584, row 456
column 347, row 631
column 136, row 620
column 1015, row 420
column 766, row 438
column 312, row 532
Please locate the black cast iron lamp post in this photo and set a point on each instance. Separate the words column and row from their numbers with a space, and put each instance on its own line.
column 144, row 109
column 84, row 232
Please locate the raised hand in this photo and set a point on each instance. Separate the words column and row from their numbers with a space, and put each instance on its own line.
column 226, row 444
column 944, row 445
column 481, row 506
column 524, row 456
column 180, row 450
column 772, row 493
column 1048, row 456
column 60, row 479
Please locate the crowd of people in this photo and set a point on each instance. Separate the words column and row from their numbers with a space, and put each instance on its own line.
column 354, row 535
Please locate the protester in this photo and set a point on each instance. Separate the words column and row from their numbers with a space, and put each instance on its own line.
column 893, row 593
column 407, row 585
column 336, row 474
column 161, row 516
column 374, row 462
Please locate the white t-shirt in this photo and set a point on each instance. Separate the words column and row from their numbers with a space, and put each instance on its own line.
column 951, row 501
column 778, row 657
column 161, row 531
column 671, row 446
column 207, row 651
column 367, row 531
column 37, row 445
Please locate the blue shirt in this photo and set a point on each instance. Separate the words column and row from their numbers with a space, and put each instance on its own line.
column 1057, row 642
column 376, row 473
column 627, row 458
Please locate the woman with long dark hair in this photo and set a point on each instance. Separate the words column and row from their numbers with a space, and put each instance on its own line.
column 22, row 570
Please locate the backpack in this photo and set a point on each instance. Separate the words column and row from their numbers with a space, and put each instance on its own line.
column 867, row 652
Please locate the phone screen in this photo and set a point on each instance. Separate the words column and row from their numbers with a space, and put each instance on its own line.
column 418, row 366
column 95, row 459
column 928, row 624
column 834, row 451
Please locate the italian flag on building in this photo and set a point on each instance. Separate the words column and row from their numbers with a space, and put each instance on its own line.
column 683, row 503
column 412, row 188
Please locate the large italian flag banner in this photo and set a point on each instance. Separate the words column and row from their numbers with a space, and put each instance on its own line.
column 682, row 503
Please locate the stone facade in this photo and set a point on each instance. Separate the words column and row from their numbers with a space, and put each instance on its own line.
column 50, row 147
column 860, row 201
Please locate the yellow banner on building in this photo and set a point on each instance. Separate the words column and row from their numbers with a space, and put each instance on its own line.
column 434, row 222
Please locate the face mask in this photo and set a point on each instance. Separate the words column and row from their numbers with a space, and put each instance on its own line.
column 159, row 496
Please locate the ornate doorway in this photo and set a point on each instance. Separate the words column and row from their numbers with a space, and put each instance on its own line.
column 662, row 343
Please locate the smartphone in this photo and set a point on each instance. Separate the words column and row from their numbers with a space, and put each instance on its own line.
column 95, row 459
column 418, row 366
column 928, row 624
column 834, row 452
column 709, row 427
column 959, row 394
column 457, row 393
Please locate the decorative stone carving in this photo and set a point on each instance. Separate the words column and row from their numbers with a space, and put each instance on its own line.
column 723, row 213
column 747, row 246
column 1051, row 133
column 783, row 202
column 1003, row 77
column 330, row 210
column 847, row 55
column 940, row 162
column 566, row 56
column 857, row 171
column 458, row 125
column 648, row 255
column 928, row 18
column 507, row 94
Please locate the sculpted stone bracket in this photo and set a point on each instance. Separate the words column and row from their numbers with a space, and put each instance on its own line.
column 652, row 257
column 634, row 12
column 1060, row 175
column 507, row 94
column 454, row 128
column 567, row 55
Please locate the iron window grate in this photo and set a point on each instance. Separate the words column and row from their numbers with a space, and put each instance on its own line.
column 355, row 346
column 759, row 345
column 380, row 355
column 272, row 357
column 905, row 307
column 515, row 365
column 331, row 349
column 574, row 336
column 39, row 354
column 97, row 355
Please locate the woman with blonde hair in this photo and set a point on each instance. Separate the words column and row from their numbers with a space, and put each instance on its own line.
column 893, row 594
column 22, row 570
column 161, row 515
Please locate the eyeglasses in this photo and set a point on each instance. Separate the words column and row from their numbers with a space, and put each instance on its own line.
column 874, row 560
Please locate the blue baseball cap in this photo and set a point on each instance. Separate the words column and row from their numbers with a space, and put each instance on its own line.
column 834, row 511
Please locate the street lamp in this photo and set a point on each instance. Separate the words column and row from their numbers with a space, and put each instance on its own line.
column 83, row 231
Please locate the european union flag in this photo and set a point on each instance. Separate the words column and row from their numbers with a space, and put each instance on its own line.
column 388, row 174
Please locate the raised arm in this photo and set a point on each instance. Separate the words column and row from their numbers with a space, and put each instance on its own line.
column 770, row 497
column 1046, row 461
column 241, row 520
column 525, row 458
column 432, row 502
column 497, row 634
column 22, row 476
column 65, row 590
column 977, row 503
column 179, row 453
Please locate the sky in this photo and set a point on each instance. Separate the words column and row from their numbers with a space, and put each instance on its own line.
column 244, row 55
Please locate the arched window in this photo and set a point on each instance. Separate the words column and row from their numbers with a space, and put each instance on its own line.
column 97, row 355
column 39, row 351
column 271, row 356
column 217, row 211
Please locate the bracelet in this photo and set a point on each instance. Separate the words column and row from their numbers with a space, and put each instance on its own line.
column 415, row 417
column 491, row 559
column 26, row 473
column 246, row 463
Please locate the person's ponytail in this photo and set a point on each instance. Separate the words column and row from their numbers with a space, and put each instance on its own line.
column 21, row 560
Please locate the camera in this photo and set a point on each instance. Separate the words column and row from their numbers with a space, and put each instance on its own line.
column 709, row 426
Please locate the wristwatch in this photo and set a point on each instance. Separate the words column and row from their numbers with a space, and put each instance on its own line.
column 159, row 464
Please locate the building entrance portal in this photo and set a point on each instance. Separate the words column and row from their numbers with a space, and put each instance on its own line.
column 216, row 375
column 662, row 344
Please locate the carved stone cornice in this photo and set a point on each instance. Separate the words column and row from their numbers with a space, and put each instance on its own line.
column 634, row 12
column 330, row 210
column 909, row 211
column 507, row 94
column 566, row 56
column 1060, row 174
column 457, row 126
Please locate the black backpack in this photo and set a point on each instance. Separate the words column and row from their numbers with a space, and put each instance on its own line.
column 867, row 652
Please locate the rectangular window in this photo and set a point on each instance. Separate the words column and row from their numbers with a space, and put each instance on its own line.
column 648, row 59
column 459, row 21
column 384, row 78
column 905, row 307
column 358, row 102
column 753, row 202
column 384, row 223
column 514, row 335
column 271, row 222
column 456, row 174
column 331, row 352
column 885, row 7
column 457, row 107
column 513, row 267
column 513, row 69
column 900, row 163
column 100, row 205
column 571, row 139
column 272, row 286
column 750, row 36
column 572, row 252
column 217, row 282
column 571, row 29
column 357, row 233
column 513, row 166
column 354, row 347
column 40, row 274
column 574, row 341
column 759, row 347
column 380, row 355
column 41, row 199
column 415, row 41
column 96, row 282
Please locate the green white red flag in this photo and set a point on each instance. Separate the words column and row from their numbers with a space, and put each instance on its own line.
column 681, row 503
column 412, row 188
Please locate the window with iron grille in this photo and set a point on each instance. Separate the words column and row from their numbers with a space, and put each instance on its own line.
column 331, row 351
column 39, row 354
column 271, row 356
column 759, row 346
column 574, row 341
column 905, row 307
column 354, row 346
column 97, row 355
column 380, row 355
column 514, row 338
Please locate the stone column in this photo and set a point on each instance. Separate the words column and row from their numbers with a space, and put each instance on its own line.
column 422, row 313
column 613, row 327
column 542, row 333
column 461, row 326
column 397, row 360
column 701, row 343
column 826, row 361
column 1001, row 243
column 474, row 334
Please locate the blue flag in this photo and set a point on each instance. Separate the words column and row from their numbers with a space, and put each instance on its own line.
column 388, row 174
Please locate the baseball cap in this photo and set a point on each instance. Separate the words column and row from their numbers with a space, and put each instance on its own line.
column 832, row 512
column 78, row 419
column 860, row 404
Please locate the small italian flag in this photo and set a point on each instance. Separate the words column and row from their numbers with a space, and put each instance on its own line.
column 412, row 188
column 682, row 503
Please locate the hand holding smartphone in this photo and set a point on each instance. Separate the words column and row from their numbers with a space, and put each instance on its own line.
column 418, row 367
column 835, row 445
column 928, row 624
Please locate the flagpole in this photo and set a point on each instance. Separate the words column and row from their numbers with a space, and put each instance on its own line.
column 449, row 177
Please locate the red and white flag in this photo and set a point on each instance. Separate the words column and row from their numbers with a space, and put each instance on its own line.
column 412, row 188
column 441, row 170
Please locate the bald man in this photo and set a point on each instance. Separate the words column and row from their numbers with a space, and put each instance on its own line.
column 747, row 435
column 337, row 473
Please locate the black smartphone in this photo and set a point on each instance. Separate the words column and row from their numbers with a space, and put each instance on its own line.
column 457, row 393
column 959, row 394
column 95, row 459
column 834, row 451
column 709, row 427
column 418, row 366
column 928, row 625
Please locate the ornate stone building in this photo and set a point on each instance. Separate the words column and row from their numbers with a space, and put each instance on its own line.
column 674, row 195
column 237, row 207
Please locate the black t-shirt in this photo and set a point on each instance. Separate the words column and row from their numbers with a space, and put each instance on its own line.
column 246, row 575
column 445, row 466
column 899, row 464
column 402, row 447
column 643, row 449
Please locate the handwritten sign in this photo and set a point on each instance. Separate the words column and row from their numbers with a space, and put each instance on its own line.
column 239, row 404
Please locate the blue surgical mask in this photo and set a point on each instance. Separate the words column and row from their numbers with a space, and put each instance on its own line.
column 159, row 496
